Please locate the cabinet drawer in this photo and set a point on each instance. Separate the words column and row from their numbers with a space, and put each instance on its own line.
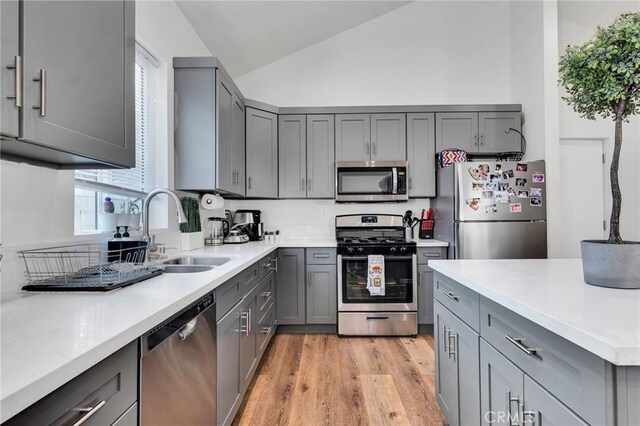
column 265, row 293
column 573, row 375
column 321, row 256
column 266, row 328
column 228, row 295
column 266, row 265
column 432, row 253
column 460, row 300
column 250, row 277
column 111, row 385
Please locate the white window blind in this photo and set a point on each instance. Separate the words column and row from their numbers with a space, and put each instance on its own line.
column 144, row 177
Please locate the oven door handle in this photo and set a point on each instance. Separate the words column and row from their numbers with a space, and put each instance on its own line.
column 394, row 171
column 394, row 257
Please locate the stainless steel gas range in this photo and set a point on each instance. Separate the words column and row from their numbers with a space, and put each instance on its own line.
column 361, row 313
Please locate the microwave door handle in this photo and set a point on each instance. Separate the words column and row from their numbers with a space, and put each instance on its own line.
column 394, row 171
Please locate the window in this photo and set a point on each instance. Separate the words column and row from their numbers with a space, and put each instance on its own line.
column 126, row 187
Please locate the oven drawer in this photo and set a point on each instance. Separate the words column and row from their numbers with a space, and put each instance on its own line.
column 377, row 323
column 321, row 256
column 460, row 300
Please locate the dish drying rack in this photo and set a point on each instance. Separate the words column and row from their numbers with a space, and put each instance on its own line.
column 87, row 267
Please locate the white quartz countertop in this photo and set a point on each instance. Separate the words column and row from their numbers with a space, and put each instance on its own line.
column 553, row 294
column 49, row 338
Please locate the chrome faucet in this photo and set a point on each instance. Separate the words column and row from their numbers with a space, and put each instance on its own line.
column 182, row 217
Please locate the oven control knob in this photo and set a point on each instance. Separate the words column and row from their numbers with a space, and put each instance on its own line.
column 403, row 249
column 393, row 249
column 360, row 249
column 350, row 249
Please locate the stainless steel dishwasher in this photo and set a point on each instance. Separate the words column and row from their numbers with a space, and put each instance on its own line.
column 178, row 369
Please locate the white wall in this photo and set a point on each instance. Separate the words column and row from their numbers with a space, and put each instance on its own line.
column 422, row 53
column 37, row 203
column 577, row 21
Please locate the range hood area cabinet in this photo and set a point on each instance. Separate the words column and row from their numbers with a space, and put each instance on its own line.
column 67, row 97
column 371, row 137
column 479, row 132
column 262, row 153
column 209, row 128
column 307, row 168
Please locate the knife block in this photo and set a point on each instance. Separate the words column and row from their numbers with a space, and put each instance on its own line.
column 426, row 229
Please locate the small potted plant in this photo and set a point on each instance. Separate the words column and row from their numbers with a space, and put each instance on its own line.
column 191, row 230
column 602, row 78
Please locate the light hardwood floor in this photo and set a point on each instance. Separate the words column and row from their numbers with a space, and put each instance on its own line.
column 320, row 379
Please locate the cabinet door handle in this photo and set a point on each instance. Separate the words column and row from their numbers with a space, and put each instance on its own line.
column 481, row 140
column 410, row 183
column 368, row 145
column 446, row 339
column 375, row 149
column 17, row 66
column 453, row 346
column 517, row 342
column 309, row 184
column 249, row 182
column 266, row 330
column 509, row 400
column 42, row 78
column 320, row 256
column 244, row 328
column 309, row 278
column 275, row 261
column 266, row 294
column 475, row 140
column 249, row 322
column 303, row 184
column 90, row 412
column 419, row 280
column 450, row 295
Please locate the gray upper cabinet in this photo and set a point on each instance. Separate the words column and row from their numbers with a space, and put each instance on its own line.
column 10, row 75
column 262, row 153
column 290, row 294
column 481, row 133
column 293, row 156
column 495, row 135
column 320, row 156
column 77, row 85
column 421, row 150
column 209, row 128
column 388, row 137
column 457, row 130
column 322, row 307
column 353, row 137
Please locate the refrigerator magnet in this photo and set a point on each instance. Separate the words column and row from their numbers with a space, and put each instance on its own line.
column 521, row 182
column 473, row 203
column 537, row 177
column 484, row 169
column 521, row 167
column 491, row 186
column 535, row 192
column 478, row 186
column 495, row 178
column 487, row 194
column 523, row 194
column 475, row 174
column 503, row 186
column 512, row 192
column 502, row 197
column 490, row 208
column 498, row 168
column 535, row 201
column 515, row 208
column 508, row 174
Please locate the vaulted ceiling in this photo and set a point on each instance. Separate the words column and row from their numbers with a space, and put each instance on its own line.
column 247, row 35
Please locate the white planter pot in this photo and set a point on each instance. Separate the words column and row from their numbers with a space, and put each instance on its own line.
column 134, row 221
column 611, row 265
column 192, row 241
column 107, row 222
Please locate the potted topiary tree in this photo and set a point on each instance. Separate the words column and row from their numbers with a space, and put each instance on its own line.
column 602, row 78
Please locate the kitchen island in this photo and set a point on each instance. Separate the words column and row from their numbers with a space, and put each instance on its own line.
column 528, row 340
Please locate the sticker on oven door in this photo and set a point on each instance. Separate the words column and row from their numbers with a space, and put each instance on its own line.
column 537, row 177
column 535, row 201
column 521, row 182
column 515, row 208
column 491, row 208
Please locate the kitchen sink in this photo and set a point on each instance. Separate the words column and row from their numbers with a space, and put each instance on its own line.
column 193, row 260
column 185, row 269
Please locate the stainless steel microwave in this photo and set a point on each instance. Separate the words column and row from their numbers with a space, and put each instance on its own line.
column 361, row 181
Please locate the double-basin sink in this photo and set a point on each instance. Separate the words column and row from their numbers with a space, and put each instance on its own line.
column 192, row 264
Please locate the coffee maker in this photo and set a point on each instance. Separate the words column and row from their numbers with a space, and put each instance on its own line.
column 248, row 223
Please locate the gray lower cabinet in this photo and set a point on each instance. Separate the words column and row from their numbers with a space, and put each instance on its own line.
column 483, row 132
column 509, row 396
column 425, row 295
column 248, row 340
column 320, row 156
column 421, row 150
column 10, row 76
column 290, row 294
column 129, row 418
column 388, row 137
column 228, row 381
column 209, row 128
column 292, row 141
column 100, row 396
column 262, row 153
column 322, row 291
column 77, row 106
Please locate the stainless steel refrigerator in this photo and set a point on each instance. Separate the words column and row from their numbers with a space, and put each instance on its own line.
column 492, row 210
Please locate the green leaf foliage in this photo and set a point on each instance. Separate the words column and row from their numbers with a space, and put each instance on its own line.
column 192, row 211
column 602, row 76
